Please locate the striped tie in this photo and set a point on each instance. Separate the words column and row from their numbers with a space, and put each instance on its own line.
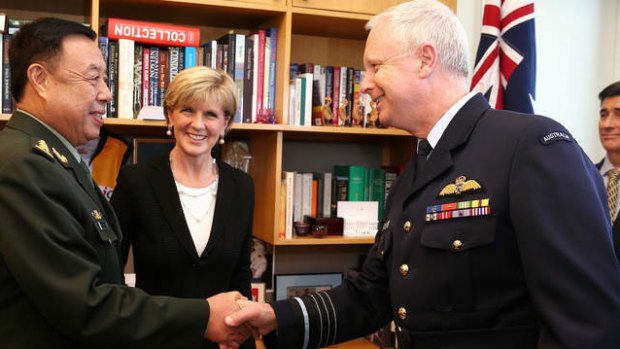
column 612, row 192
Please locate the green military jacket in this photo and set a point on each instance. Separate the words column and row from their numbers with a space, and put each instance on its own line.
column 61, row 280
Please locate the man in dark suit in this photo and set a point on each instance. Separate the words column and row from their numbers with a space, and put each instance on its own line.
column 61, row 279
column 495, row 236
column 609, row 167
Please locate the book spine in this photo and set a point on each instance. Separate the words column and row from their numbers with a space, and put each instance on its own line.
column 3, row 19
column 154, row 76
column 282, row 213
column 6, row 101
column 248, row 79
column 173, row 62
column 153, row 33
column 190, row 57
column 307, row 98
column 260, row 71
column 357, row 183
column 164, row 71
column 267, row 54
column 327, row 193
column 306, row 193
column 137, row 80
column 273, row 35
column 336, row 95
column 113, row 79
column 146, row 59
column 297, row 197
column 238, row 76
column 125, row 78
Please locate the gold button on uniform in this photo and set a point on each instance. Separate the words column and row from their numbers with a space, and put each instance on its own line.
column 402, row 313
column 407, row 226
column 404, row 270
column 456, row 244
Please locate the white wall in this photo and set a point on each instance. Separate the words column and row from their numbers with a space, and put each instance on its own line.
column 578, row 54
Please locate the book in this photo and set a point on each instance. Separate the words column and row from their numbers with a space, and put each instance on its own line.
column 282, row 213
column 173, row 62
column 113, row 79
column 340, row 188
column 297, row 198
column 163, row 73
column 335, row 95
column 327, row 194
column 146, row 59
column 306, row 98
column 306, row 195
column 125, row 78
column 154, row 76
column 289, row 178
column 153, row 33
column 273, row 35
column 137, row 79
column 248, row 80
column 259, row 70
column 1, row 59
column 376, row 188
column 356, row 175
column 190, row 57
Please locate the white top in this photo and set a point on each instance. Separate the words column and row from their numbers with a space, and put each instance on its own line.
column 198, row 208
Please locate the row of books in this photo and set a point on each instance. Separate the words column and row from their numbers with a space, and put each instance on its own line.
column 317, row 194
column 328, row 95
column 143, row 57
column 8, row 27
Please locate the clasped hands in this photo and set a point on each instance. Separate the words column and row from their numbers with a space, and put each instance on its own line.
column 234, row 319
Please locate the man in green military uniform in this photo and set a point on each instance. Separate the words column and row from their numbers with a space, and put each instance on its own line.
column 61, row 280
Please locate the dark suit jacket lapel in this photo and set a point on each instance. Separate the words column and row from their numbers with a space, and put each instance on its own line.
column 456, row 134
column 162, row 182
column 223, row 205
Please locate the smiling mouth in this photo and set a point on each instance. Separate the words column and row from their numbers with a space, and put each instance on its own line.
column 197, row 137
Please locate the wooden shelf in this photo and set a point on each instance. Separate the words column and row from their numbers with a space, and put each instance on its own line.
column 331, row 240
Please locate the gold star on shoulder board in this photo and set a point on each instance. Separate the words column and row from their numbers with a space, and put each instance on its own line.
column 41, row 147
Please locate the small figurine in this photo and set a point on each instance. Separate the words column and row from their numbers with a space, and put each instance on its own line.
column 373, row 116
column 342, row 112
column 356, row 115
column 326, row 111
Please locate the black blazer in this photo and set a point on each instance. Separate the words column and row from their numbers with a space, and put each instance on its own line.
column 615, row 226
column 166, row 262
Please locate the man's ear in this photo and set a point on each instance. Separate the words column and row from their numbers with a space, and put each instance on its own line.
column 38, row 77
column 428, row 59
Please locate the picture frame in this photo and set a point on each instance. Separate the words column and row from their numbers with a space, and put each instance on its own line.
column 295, row 285
column 258, row 292
column 146, row 148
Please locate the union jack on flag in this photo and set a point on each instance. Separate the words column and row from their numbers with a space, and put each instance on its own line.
column 505, row 70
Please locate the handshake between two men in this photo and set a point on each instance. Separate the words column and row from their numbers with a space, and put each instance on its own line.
column 234, row 319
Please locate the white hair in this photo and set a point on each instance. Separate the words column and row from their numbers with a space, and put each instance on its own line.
column 419, row 22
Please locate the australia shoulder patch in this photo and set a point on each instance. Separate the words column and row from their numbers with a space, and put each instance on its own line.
column 556, row 136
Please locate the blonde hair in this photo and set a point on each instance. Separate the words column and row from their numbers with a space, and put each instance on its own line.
column 200, row 83
column 419, row 22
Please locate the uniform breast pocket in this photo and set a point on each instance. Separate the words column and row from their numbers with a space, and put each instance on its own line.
column 463, row 247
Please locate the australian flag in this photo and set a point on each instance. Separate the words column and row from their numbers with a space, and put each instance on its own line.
column 505, row 70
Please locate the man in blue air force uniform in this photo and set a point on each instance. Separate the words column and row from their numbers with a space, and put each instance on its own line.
column 496, row 236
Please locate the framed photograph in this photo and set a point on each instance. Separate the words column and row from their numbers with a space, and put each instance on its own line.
column 146, row 148
column 295, row 285
column 258, row 292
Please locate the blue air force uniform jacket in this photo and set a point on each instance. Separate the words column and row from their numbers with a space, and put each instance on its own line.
column 502, row 240
column 61, row 281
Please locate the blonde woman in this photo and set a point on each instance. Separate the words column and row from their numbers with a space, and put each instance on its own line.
column 187, row 215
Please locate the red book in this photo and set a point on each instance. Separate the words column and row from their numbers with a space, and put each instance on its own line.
column 146, row 56
column 260, row 70
column 153, row 33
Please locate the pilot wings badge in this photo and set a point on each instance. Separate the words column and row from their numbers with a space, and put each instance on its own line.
column 461, row 185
